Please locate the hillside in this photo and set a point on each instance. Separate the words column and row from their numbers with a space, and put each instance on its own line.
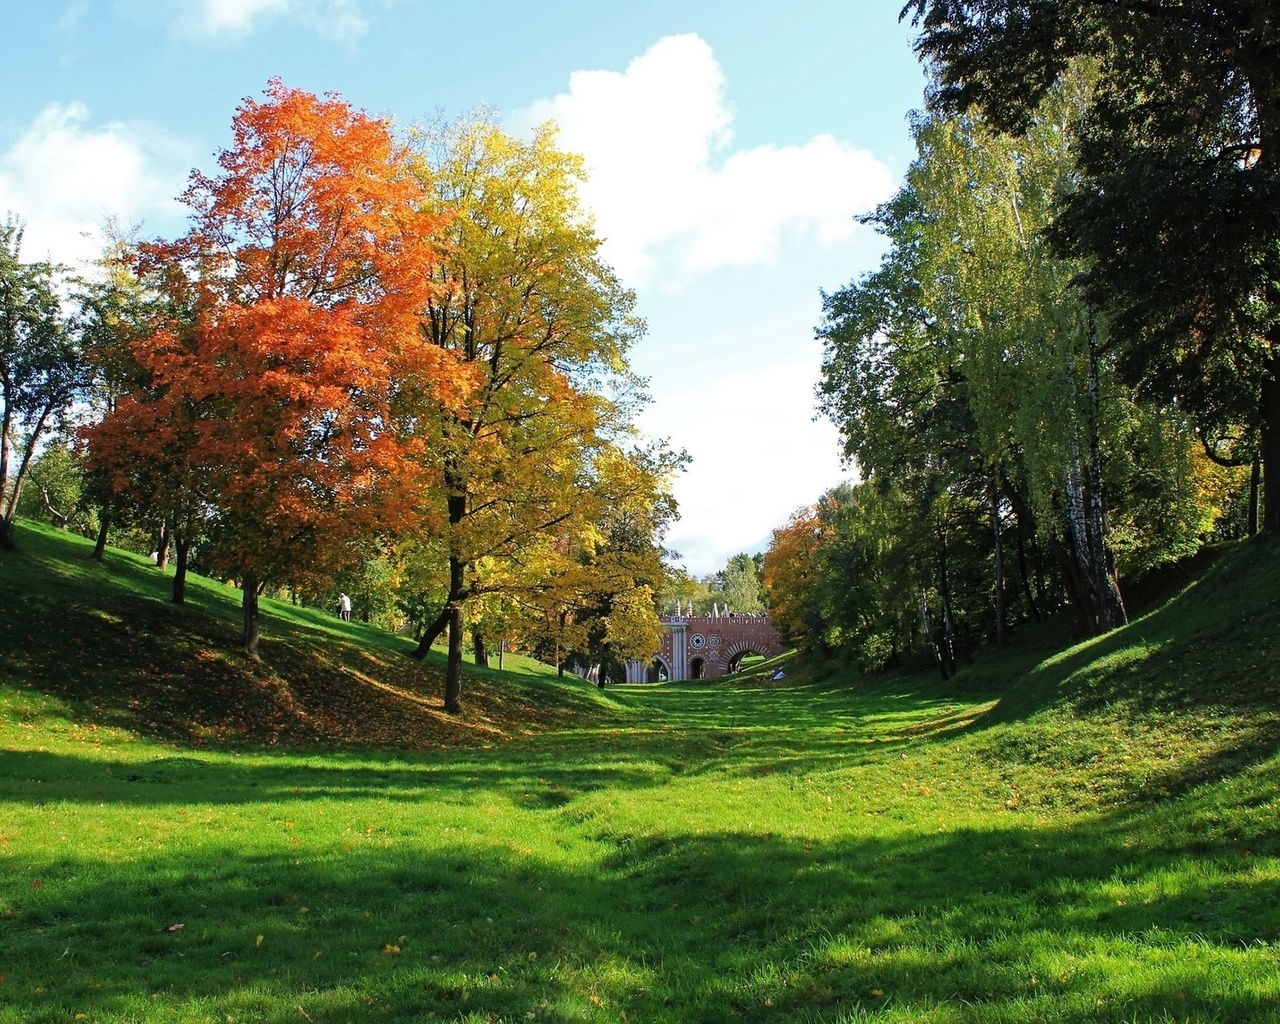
column 1087, row 836
column 107, row 643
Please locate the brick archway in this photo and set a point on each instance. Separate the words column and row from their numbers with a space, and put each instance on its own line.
column 735, row 652
column 715, row 640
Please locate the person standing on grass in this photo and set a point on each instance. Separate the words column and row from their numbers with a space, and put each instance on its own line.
column 344, row 608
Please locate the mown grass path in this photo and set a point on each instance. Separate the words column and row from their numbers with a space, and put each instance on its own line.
column 737, row 852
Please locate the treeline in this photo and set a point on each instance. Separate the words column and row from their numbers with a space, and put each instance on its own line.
column 735, row 588
column 391, row 365
column 1064, row 372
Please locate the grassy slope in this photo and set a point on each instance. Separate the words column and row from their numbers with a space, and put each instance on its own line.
column 106, row 640
column 1097, row 841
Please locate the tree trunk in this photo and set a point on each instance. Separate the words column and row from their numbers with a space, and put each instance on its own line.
column 6, row 422
column 1110, row 604
column 21, row 475
column 430, row 634
column 453, row 671
column 559, row 663
column 482, row 654
column 1255, row 485
column 1270, row 444
column 249, row 605
column 946, row 648
column 162, row 550
column 1077, row 585
column 1025, row 575
column 1002, row 627
column 104, row 525
column 60, row 519
column 180, row 574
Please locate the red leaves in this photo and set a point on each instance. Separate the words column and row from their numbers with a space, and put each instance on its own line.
column 293, row 303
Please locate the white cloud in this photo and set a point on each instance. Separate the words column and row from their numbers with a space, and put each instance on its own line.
column 333, row 19
column 758, row 455
column 73, row 15
column 671, row 195
column 64, row 177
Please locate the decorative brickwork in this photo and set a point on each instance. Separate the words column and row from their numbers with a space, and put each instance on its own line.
column 706, row 646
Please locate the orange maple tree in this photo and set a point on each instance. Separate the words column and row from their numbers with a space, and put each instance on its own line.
column 299, row 286
column 789, row 572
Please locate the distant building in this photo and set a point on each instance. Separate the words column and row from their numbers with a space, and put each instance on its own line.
column 706, row 646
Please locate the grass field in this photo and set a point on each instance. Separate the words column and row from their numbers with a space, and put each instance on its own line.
column 186, row 835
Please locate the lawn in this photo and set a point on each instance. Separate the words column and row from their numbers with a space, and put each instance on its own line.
column 1092, row 837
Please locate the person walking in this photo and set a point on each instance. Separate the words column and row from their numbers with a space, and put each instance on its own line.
column 344, row 608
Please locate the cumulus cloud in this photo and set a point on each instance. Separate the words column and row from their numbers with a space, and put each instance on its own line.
column 333, row 19
column 671, row 194
column 751, row 470
column 64, row 176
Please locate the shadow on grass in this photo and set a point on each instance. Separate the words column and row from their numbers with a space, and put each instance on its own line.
column 1210, row 647
column 1087, row 923
column 107, row 639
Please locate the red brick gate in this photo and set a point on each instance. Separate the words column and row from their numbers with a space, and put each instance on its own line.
column 706, row 646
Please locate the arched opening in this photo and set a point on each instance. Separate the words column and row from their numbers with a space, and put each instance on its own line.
column 656, row 672
column 746, row 658
column 696, row 668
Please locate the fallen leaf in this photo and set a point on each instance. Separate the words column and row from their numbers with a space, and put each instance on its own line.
column 391, row 950
column 173, row 928
column 258, row 941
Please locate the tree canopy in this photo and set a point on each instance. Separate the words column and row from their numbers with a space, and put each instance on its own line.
column 1175, row 206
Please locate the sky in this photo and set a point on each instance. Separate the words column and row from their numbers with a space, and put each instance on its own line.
column 731, row 144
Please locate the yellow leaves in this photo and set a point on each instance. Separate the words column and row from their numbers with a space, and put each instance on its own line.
column 258, row 941
column 391, row 950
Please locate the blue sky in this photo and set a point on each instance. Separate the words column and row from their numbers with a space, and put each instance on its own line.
column 730, row 146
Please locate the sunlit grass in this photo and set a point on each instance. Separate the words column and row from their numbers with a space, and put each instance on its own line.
column 1099, row 843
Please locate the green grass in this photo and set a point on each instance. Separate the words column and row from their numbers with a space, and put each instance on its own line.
column 1089, row 836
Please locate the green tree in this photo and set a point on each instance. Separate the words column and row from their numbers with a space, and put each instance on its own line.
column 1176, row 207
column 41, row 366
column 739, row 584
column 55, row 489
column 966, row 370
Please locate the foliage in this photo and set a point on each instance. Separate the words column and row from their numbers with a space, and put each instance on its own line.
column 41, row 368
column 271, row 386
column 978, row 392
column 55, row 491
column 737, row 587
column 1175, row 204
column 790, row 581
column 522, row 302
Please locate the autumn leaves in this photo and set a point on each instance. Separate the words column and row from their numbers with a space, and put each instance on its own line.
column 362, row 339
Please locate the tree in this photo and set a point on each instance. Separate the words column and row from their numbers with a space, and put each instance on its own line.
column 789, row 577
column 117, row 313
column 1177, row 203
column 740, row 584
column 56, row 489
column 599, row 602
column 540, row 327
column 40, row 365
column 966, row 370
column 296, row 294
